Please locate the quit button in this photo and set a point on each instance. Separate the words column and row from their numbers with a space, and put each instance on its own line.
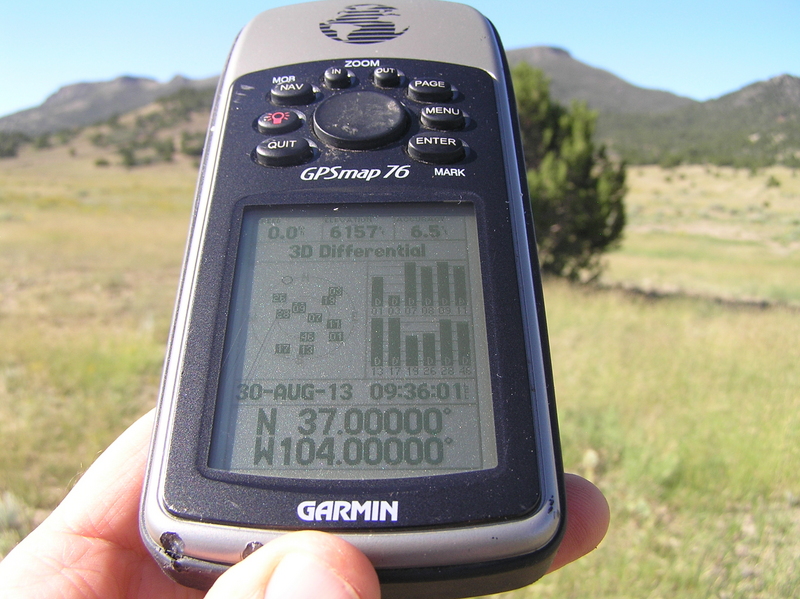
column 283, row 151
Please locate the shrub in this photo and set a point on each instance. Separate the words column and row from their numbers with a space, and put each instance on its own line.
column 576, row 191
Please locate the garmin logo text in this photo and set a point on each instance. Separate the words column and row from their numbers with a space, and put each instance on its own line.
column 348, row 511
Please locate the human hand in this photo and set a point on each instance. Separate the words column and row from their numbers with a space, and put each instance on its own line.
column 89, row 547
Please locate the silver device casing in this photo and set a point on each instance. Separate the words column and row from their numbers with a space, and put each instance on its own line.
column 440, row 31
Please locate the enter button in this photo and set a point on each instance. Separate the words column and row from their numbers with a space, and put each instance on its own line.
column 438, row 149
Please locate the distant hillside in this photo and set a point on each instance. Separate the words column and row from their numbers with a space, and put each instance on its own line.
column 755, row 126
column 571, row 79
column 83, row 104
column 173, row 127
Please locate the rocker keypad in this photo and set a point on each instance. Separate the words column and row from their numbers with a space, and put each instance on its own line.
column 361, row 119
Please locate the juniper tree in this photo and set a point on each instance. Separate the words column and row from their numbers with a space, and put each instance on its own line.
column 576, row 190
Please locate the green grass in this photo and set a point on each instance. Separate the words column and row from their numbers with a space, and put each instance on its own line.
column 684, row 410
column 693, row 409
column 720, row 268
column 89, row 263
column 714, row 232
column 632, row 371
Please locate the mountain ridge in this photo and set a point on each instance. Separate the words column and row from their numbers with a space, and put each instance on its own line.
column 87, row 103
column 784, row 88
column 571, row 79
column 756, row 125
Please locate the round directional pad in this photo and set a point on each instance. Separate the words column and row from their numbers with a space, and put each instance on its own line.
column 360, row 120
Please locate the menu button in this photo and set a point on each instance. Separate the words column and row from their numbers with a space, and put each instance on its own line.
column 442, row 117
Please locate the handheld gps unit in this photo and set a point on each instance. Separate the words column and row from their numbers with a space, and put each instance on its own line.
column 359, row 340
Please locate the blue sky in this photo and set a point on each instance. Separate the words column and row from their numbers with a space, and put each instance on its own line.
column 696, row 48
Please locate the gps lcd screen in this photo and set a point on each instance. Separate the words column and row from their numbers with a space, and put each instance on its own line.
column 356, row 345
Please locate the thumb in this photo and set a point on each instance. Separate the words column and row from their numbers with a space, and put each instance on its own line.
column 300, row 565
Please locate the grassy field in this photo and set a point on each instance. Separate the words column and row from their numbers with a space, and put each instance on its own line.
column 686, row 413
column 712, row 231
column 682, row 400
column 89, row 263
column 682, row 404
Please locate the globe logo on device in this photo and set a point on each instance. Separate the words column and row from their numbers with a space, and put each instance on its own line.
column 364, row 24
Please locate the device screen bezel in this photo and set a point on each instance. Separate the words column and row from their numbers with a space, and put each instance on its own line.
column 512, row 489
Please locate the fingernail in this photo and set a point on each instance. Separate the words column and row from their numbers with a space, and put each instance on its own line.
column 303, row 576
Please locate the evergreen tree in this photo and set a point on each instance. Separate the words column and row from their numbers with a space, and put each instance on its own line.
column 10, row 143
column 576, row 191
